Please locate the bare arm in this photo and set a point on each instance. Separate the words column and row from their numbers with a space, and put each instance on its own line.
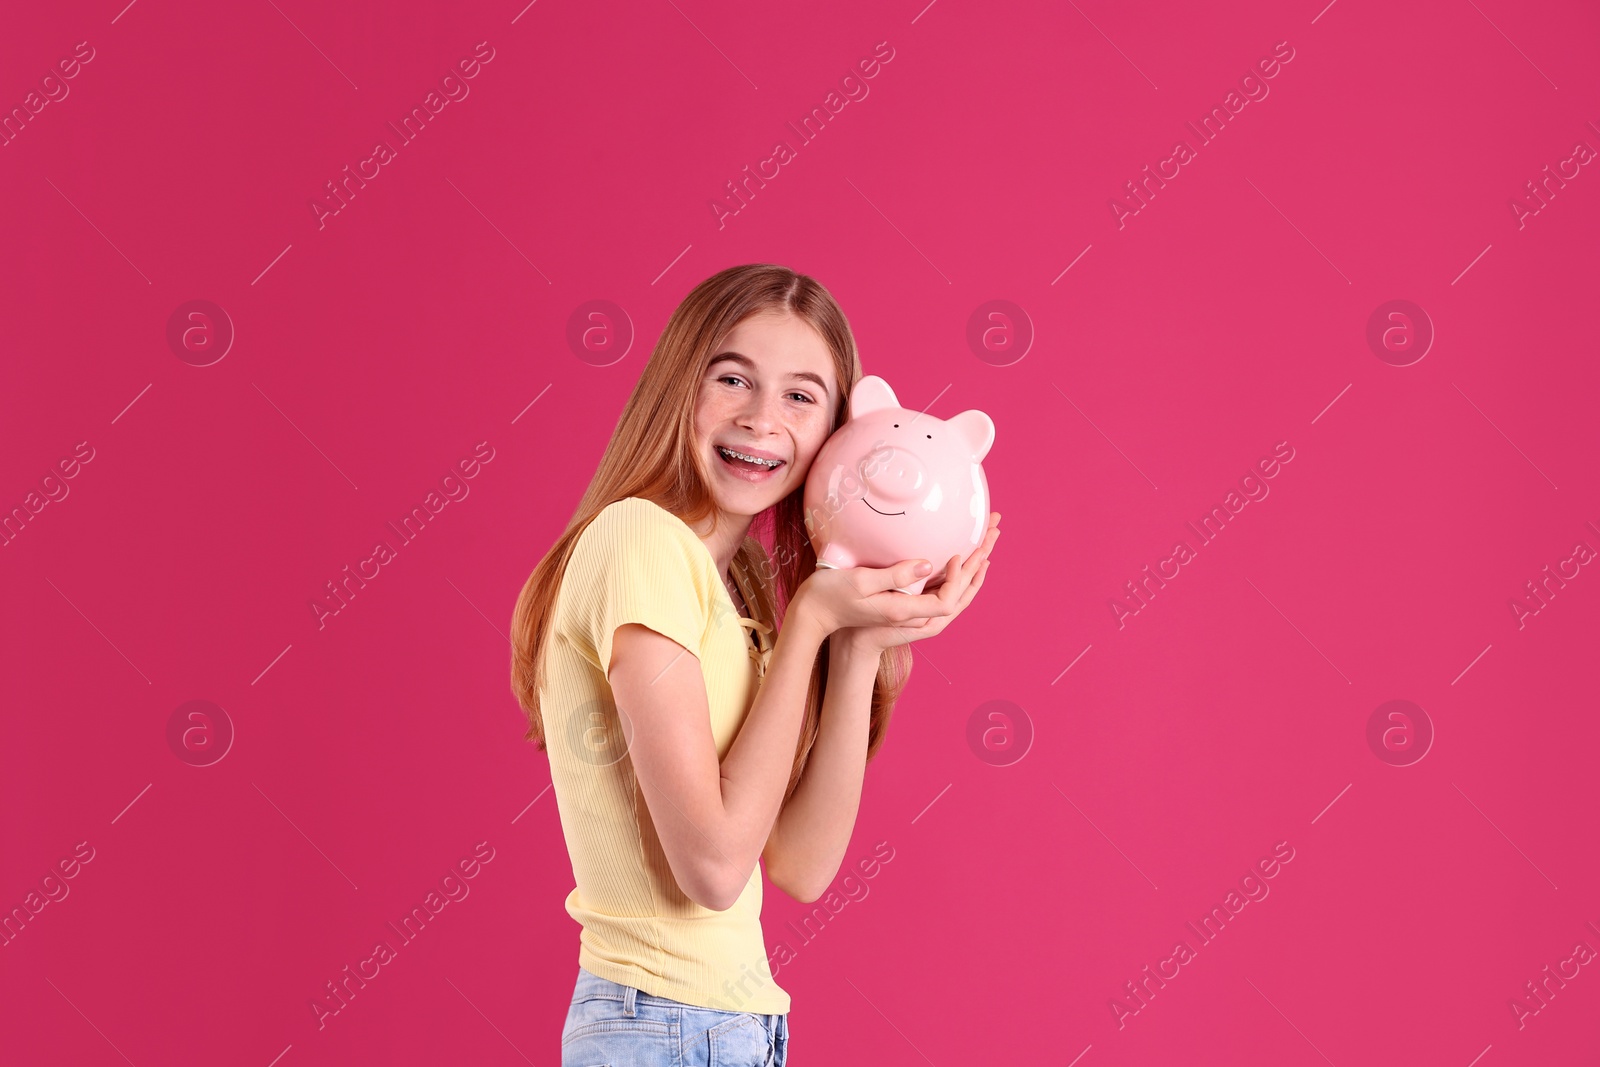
column 713, row 821
column 813, row 830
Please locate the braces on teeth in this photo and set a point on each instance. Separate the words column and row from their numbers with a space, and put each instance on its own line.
column 768, row 463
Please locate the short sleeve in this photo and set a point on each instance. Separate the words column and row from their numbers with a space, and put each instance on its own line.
column 636, row 562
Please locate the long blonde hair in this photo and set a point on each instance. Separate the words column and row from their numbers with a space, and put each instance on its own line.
column 652, row 455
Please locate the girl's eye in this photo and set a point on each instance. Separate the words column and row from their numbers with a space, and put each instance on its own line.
column 736, row 378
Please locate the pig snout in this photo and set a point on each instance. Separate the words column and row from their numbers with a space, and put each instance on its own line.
column 894, row 474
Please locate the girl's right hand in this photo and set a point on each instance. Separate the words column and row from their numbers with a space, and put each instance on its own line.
column 836, row 597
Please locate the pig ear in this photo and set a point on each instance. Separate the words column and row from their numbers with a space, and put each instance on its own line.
column 871, row 394
column 975, row 429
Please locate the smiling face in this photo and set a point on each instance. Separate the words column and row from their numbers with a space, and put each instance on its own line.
column 769, row 393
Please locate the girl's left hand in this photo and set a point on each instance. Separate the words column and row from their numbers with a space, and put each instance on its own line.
column 959, row 584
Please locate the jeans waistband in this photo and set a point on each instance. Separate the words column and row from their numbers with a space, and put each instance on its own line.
column 591, row 986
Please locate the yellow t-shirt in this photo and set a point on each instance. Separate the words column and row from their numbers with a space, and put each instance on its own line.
column 636, row 562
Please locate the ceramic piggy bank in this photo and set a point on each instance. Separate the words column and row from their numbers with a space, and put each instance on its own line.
column 892, row 484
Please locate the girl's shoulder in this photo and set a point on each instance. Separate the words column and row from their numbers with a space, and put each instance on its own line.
column 634, row 526
column 634, row 516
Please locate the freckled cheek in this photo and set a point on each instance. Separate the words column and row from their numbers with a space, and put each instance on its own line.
column 813, row 438
column 707, row 418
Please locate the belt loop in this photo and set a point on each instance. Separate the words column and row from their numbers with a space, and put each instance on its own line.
column 627, row 1001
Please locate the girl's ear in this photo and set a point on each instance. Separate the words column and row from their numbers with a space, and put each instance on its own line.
column 871, row 393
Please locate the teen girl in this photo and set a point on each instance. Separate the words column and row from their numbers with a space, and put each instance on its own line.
column 689, row 733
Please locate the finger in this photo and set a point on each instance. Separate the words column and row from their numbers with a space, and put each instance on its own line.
column 975, row 580
column 907, row 572
column 936, row 579
column 953, row 581
column 899, row 608
column 928, row 603
column 907, row 628
column 963, row 571
column 874, row 580
column 951, row 591
column 990, row 537
column 977, row 583
column 979, row 555
column 894, row 608
column 971, row 590
column 975, row 557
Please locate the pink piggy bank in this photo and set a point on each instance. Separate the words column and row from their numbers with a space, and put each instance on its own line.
column 892, row 484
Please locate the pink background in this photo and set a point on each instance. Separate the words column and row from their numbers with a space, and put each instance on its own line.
column 372, row 754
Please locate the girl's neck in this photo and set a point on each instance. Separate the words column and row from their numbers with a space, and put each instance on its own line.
column 724, row 543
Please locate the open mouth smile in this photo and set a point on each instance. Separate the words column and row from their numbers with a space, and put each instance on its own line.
column 751, row 468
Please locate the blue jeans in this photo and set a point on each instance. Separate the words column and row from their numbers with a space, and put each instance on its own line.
column 613, row 1025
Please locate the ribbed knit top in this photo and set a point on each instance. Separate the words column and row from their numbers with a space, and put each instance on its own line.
column 636, row 562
